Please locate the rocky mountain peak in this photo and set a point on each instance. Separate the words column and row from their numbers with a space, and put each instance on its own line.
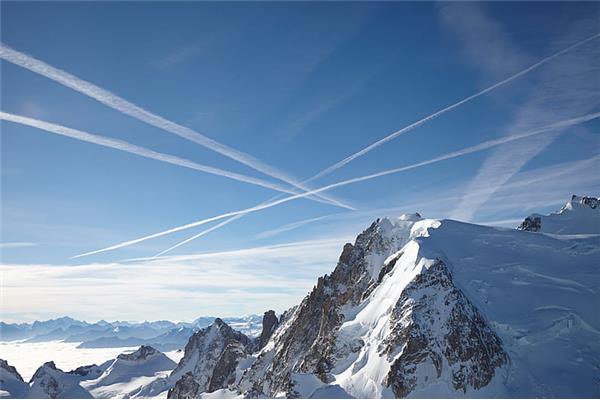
column 6, row 368
column 269, row 324
column 11, row 381
column 44, row 369
column 306, row 343
column 143, row 353
column 210, row 360
column 591, row 202
column 51, row 382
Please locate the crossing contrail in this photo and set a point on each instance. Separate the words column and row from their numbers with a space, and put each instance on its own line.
column 196, row 236
column 138, row 150
column 406, row 129
column 468, row 150
column 436, row 114
column 113, row 101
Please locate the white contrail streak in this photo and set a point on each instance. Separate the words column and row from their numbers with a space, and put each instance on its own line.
column 436, row 114
column 196, row 236
column 412, row 126
column 230, row 220
column 137, row 150
column 468, row 150
column 113, row 101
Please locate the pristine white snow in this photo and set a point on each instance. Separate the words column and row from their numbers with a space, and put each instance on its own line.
column 541, row 295
column 539, row 292
column 574, row 218
column 129, row 373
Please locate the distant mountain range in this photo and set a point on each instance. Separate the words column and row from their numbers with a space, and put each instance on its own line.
column 163, row 335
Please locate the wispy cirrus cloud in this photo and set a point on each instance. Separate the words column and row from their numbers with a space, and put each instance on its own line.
column 16, row 245
column 120, row 104
column 329, row 101
column 459, row 153
column 182, row 54
column 290, row 226
column 567, row 87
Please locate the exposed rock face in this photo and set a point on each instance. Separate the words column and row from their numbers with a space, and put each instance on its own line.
column 5, row 367
column 435, row 327
column 210, row 360
column 531, row 224
column 143, row 353
column 11, row 381
column 83, row 370
column 269, row 324
column 306, row 342
column 430, row 332
column 186, row 388
column 592, row 202
column 88, row 371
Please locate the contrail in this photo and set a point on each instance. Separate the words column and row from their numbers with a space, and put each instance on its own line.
column 408, row 128
column 468, row 150
column 436, row 114
column 113, row 101
column 138, row 150
column 230, row 220
column 416, row 124
column 204, row 232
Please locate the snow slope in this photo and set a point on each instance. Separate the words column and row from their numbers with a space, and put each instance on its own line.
column 541, row 295
column 129, row 372
column 427, row 308
column 414, row 308
column 580, row 216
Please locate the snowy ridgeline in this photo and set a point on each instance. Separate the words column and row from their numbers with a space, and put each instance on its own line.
column 414, row 308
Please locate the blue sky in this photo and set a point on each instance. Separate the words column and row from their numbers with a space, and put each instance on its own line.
column 298, row 86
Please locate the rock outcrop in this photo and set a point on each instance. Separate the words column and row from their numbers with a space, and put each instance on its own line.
column 11, row 381
column 437, row 331
column 306, row 341
column 210, row 361
column 269, row 324
column 531, row 224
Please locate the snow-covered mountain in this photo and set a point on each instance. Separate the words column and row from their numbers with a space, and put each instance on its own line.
column 123, row 377
column 49, row 382
column 415, row 307
column 428, row 308
column 579, row 216
column 129, row 373
column 11, row 382
column 210, row 360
